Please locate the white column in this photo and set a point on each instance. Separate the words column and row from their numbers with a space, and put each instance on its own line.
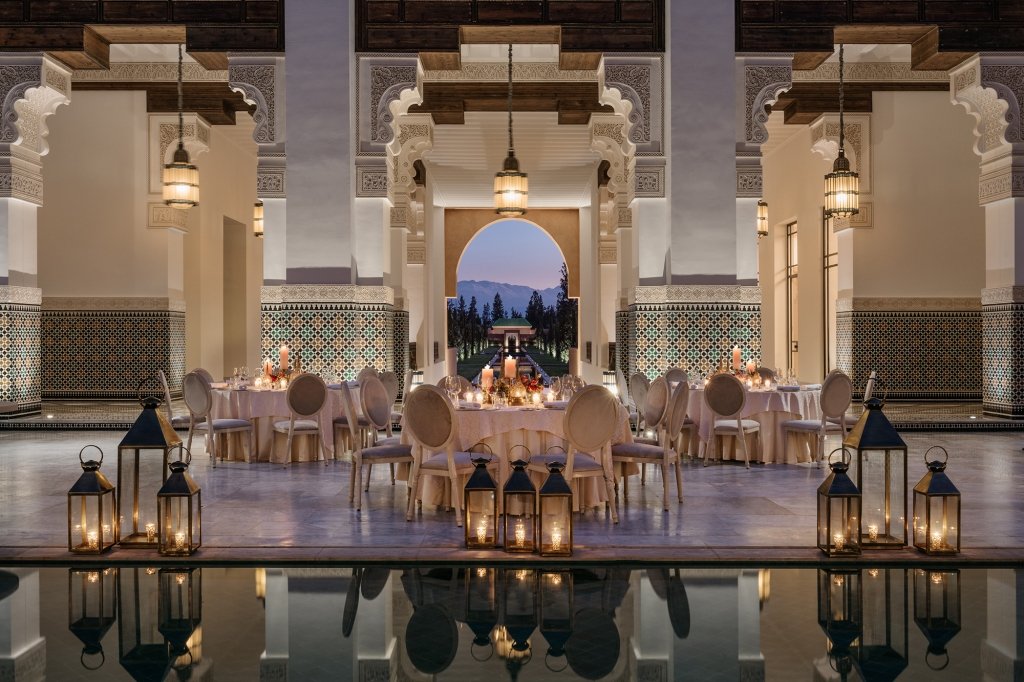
column 274, row 659
column 22, row 649
column 1002, row 650
column 590, row 281
column 375, row 643
column 435, row 321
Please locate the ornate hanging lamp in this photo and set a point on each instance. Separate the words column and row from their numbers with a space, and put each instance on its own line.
column 181, row 177
column 257, row 219
column 762, row 219
column 510, row 184
column 842, row 185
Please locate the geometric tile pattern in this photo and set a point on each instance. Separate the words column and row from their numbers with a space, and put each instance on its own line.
column 401, row 347
column 1002, row 359
column 333, row 339
column 19, row 357
column 106, row 353
column 919, row 355
column 693, row 336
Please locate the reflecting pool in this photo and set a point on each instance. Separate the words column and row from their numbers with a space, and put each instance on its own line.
column 497, row 623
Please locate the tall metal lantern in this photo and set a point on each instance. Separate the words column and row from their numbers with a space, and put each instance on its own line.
column 556, row 612
column 179, row 511
column 519, row 502
column 93, row 526
column 481, row 605
column 92, row 610
column 151, row 431
column 881, row 478
column 839, row 505
column 881, row 653
column 936, row 509
column 937, row 612
column 555, row 517
column 519, row 607
column 840, row 613
column 181, row 608
column 481, row 506
column 142, row 651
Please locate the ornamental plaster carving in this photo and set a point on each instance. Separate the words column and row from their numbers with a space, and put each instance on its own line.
column 21, row 295
column 15, row 80
column 762, row 86
column 386, row 85
column 633, row 85
column 415, row 252
column 112, row 303
column 634, row 82
column 697, row 293
column 258, row 85
column 371, row 182
column 908, row 304
column 399, row 216
column 650, row 181
column 863, row 220
column 990, row 88
column 825, row 143
column 873, row 72
column 749, row 182
column 498, row 72
column 607, row 253
column 32, row 87
column 327, row 293
column 1002, row 295
column 608, row 139
column 21, row 179
column 383, row 86
column 270, row 184
column 148, row 72
column 162, row 216
column 624, row 217
column 415, row 137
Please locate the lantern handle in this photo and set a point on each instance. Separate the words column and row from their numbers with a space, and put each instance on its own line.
column 150, row 379
column 183, row 449
column 86, row 448
column 885, row 394
column 490, row 651
column 936, row 447
column 512, row 449
column 548, row 665
column 928, row 661
column 103, row 659
column 485, row 446
column 845, row 457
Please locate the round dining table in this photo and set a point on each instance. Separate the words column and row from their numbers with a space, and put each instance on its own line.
column 769, row 408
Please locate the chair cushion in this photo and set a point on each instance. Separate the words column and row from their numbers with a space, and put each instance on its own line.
column 646, row 441
column 396, row 416
column 581, row 462
column 644, row 450
column 392, row 440
column 300, row 425
column 387, row 452
column 437, row 461
column 180, row 421
column 343, row 421
column 851, row 419
column 810, row 425
column 729, row 425
column 224, row 424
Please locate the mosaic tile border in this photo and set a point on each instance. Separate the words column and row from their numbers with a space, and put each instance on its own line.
column 333, row 339
column 104, row 354
column 921, row 355
column 1002, row 359
column 401, row 346
column 19, row 358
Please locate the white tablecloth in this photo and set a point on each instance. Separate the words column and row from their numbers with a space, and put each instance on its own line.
column 263, row 408
column 769, row 409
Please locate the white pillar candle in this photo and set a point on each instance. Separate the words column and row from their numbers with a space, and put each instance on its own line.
column 736, row 357
column 284, row 357
column 509, row 368
column 487, row 377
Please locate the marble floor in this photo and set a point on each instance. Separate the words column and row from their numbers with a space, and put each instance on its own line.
column 267, row 512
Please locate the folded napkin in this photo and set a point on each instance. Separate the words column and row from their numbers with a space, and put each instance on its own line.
column 463, row 405
column 556, row 404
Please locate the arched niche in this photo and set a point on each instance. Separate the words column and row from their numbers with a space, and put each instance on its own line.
column 461, row 225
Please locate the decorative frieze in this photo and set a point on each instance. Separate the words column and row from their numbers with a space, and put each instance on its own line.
column 258, row 84
column 371, row 181
column 862, row 220
column 1002, row 295
column 749, row 182
column 907, row 304
column 415, row 252
column 639, row 80
column 697, row 293
column 607, row 253
column 498, row 72
column 870, row 72
column 163, row 216
column 20, row 295
column 650, row 181
column 149, row 72
column 327, row 293
column 765, row 79
column 115, row 304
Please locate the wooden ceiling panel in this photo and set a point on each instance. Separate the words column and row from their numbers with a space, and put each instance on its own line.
column 215, row 102
column 448, row 101
column 807, row 100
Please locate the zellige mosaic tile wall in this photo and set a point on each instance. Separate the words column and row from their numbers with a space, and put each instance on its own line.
column 20, row 357
column 1002, row 360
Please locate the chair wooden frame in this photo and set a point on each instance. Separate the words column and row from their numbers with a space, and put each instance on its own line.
column 199, row 400
column 301, row 410
column 726, row 398
column 835, row 399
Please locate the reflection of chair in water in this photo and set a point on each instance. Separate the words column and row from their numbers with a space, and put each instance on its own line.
column 593, row 649
column 432, row 636
column 670, row 587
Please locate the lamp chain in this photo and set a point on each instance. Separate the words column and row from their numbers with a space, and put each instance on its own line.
column 511, row 147
column 181, row 104
column 842, row 128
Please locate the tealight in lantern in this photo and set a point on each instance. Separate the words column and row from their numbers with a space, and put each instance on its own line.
column 519, row 502
column 556, row 610
column 179, row 512
column 555, row 515
column 937, row 611
column 92, row 610
column 92, row 519
column 881, row 651
column 481, row 604
column 840, row 613
column 936, row 509
column 481, row 507
column 881, row 463
column 181, row 607
column 839, row 504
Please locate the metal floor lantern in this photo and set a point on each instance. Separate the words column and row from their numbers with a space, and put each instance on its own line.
column 556, row 612
column 92, row 610
column 936, row 509
column 839, row 505
column 151, row 431
column 881, row 466
column 555, row 516
column 481, row 507
column 519, row 606
column 519, row 502
column 179, row 510
column 92, row 520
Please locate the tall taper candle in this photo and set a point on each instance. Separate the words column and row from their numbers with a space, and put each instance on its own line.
column 284, row 357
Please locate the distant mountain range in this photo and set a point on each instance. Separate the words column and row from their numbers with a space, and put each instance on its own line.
column 512, row 295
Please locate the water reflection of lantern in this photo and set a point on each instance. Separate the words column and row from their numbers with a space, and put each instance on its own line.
column 840, row 613
column 92, row 519
column 764, row 587
column 181, row 608
column 151, row 431
column 520, row 505
column 881, row 478
column 142, row 649
column 881, row 653
column 519, row 607
column 481, row 506
column 556, row 611
column 937, row 611
column 92, row 609
column 555, row 516
column 179, row 510
column 839, row 504
column 481, row 604
column 936, row 509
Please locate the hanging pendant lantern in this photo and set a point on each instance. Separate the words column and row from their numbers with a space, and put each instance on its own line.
column 511, row 186
column 181, row 177
column 257, row 219
column 762, row 219
column 842, row 185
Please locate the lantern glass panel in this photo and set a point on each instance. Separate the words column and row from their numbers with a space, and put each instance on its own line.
column 481, row 519
column 937, row 523
column 556, row 603
column 838, row 527
column 140, row 643
column 556, row 526
column 882, row 650
column 520, row 604
column 180, row 531
column 180, row 610
column 520, row 522
column 91, row 522
column 882, row 481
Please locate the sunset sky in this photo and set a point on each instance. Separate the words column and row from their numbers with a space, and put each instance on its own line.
column 513, row 252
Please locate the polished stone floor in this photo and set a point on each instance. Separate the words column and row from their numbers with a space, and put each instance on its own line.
column 268, row 512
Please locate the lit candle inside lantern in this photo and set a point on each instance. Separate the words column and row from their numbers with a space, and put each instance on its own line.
column 93, row 577
column 936, row 541
column 767, row 384
column 508, row 370
column 150, row 532
column 750, row 383
column 520, row 534
column 736, row 357
column 550, row 395
column 468, row 396
column 487, row 377
column 873, row 532
column 284, row 357
column 179, row 540
column 93, row 539
column 839, row 540
column 536, row 398
column 481, row 530
column 556, row 538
